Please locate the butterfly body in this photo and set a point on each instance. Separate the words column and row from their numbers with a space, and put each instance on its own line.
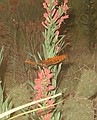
column 49, row 61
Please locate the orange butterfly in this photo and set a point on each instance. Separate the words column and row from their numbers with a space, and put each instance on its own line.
column 49, row 61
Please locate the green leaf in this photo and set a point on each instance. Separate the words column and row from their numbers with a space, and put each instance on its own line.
column 1, row 57
column 1, row 96
column 60, row 40
column 58, row 70
column 31, row 84
column 44, row 51
column 58, row 116
column 39, row 56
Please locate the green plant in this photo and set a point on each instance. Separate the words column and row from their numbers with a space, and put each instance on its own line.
column 46, row 82
column 1, row 56
column 5, row 104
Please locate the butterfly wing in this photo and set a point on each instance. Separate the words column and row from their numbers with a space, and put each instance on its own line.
column 30, row 62
column 54, row 60
column 37, row 64
column 50, row 61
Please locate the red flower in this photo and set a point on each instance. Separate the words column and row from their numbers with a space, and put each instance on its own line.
column 45, row 5
column 50, row 102
column 47, row 73
column 47, row 1
column 49, row 88
column 47, row 117
column 65, row 1
column 40, row 74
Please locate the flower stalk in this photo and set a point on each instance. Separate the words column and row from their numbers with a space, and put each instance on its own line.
column 45, row 83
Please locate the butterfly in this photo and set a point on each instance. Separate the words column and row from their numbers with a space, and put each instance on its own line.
column 49, row 61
